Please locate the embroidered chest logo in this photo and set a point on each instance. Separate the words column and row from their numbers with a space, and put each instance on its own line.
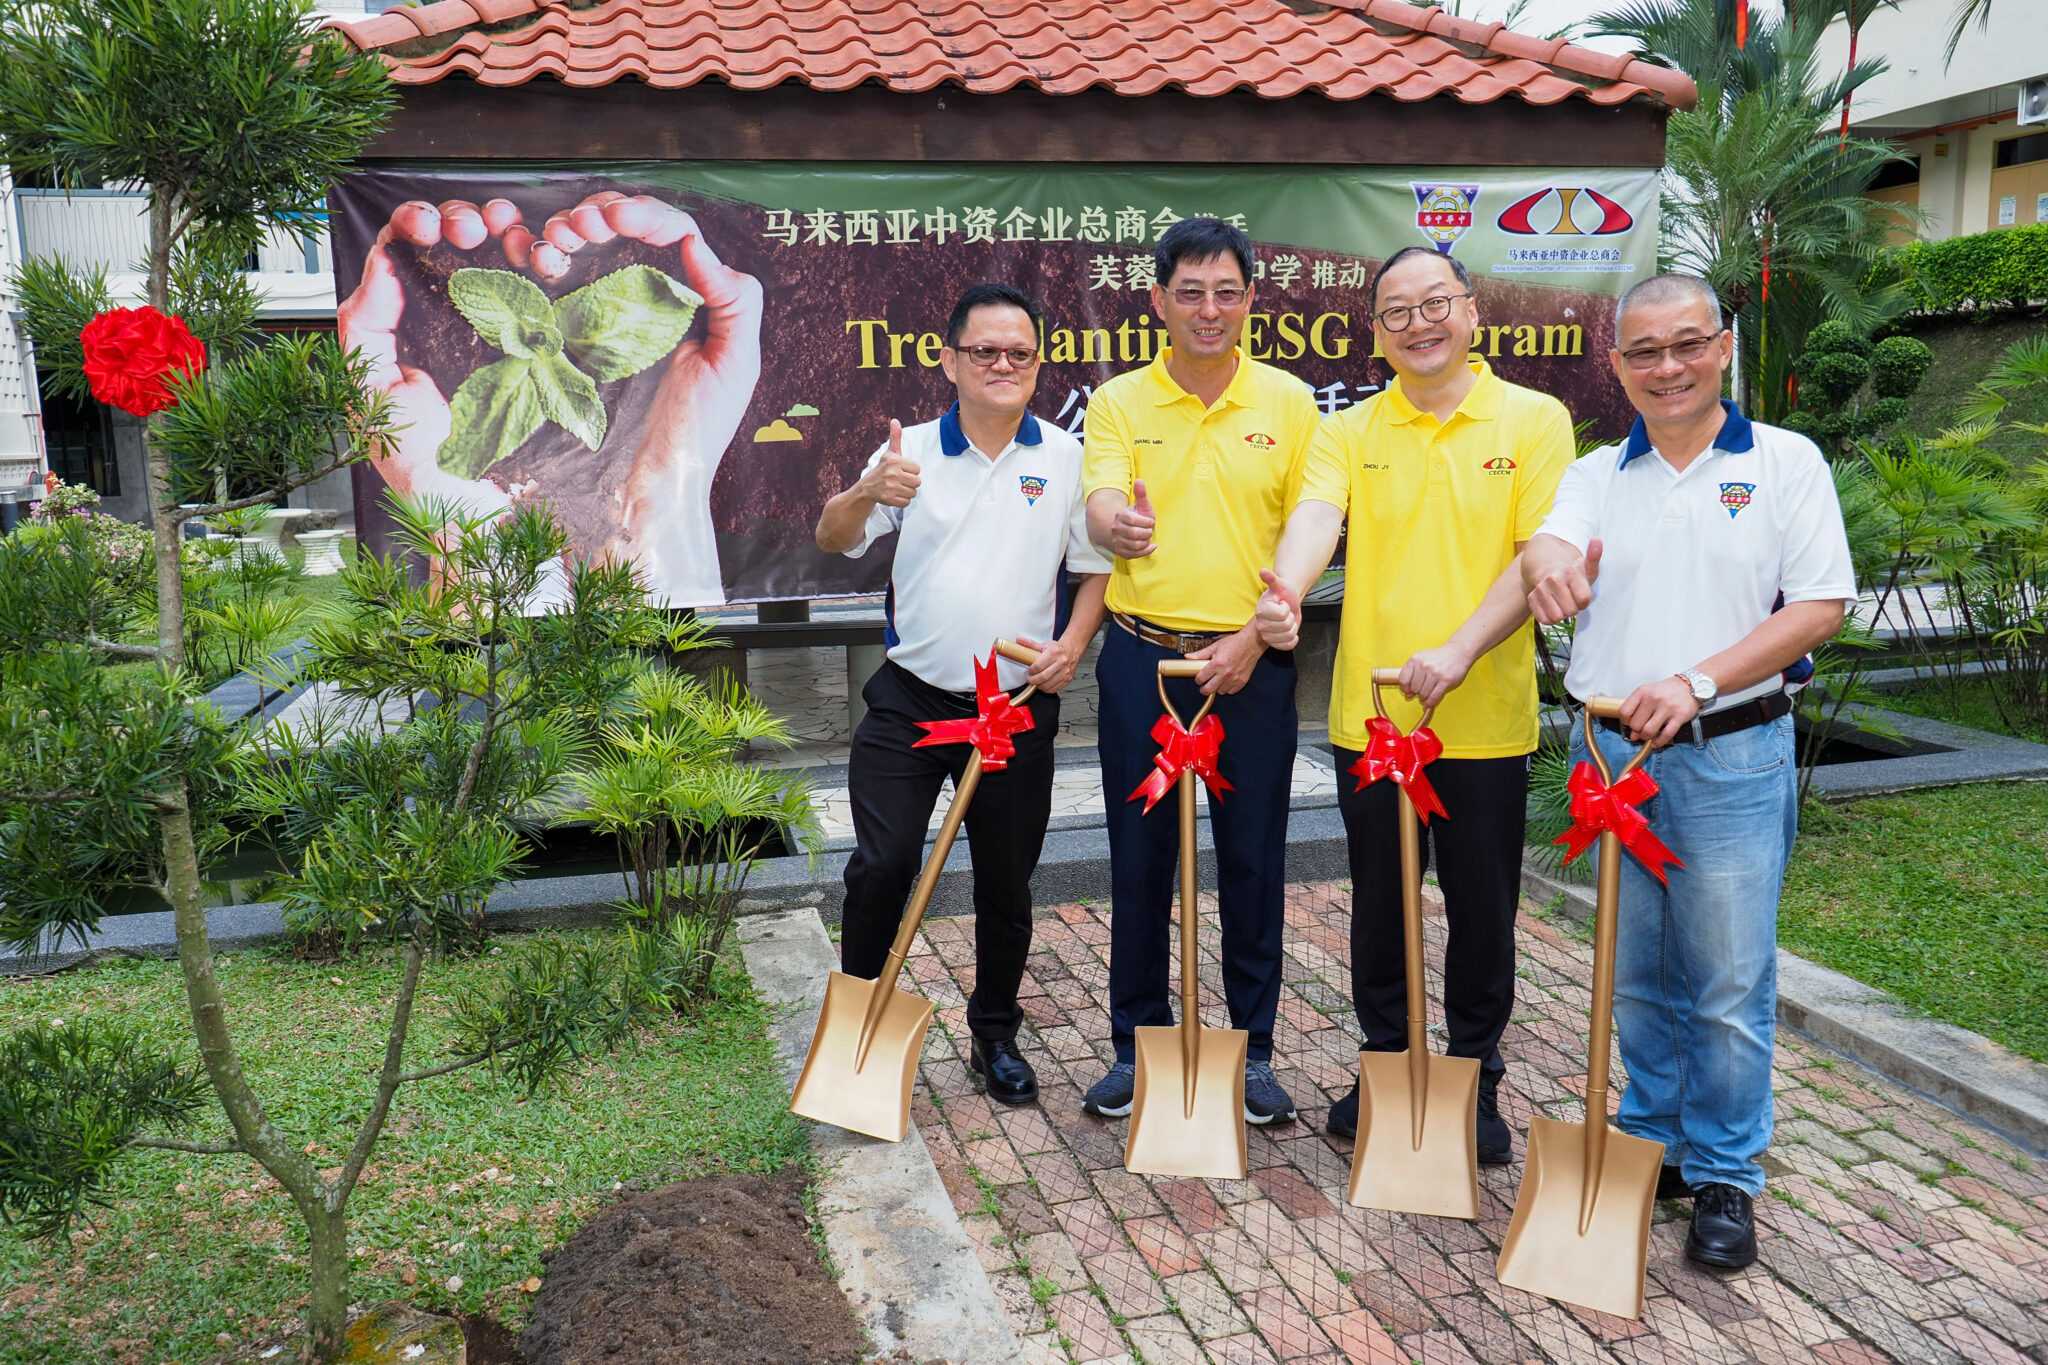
column 1735, row 497
column 1498, row 465
column 1261, row 440
column 1033, row 486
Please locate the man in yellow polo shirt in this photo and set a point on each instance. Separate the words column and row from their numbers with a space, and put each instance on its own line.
column 1443, row 476
column 1191, row 466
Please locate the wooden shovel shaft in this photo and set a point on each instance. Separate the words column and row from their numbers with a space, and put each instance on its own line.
column 1190, row 949
column 1600, row 1033
column 913, row 916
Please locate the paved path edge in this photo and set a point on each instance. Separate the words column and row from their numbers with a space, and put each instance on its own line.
column 1963, row 1071
column 904, row 1259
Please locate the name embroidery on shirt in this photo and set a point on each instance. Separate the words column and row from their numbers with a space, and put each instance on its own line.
column 1735, row 497
column 1033, row 486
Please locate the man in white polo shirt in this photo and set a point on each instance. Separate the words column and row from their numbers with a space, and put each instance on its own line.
column 988, row 506
column 1704, row 557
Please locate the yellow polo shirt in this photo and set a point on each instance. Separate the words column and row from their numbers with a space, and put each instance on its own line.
column 1434, row 511
column 1222, row 481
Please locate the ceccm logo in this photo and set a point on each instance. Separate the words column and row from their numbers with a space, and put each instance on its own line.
column 1565, row 211
column 1499, row 464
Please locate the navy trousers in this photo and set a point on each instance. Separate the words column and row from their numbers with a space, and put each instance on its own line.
column 1249, row 824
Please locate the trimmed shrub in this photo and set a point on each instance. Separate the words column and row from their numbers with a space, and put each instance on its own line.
column 1998, row 269
column 1833, row 377
column 1832, row 336
column 1897, row 365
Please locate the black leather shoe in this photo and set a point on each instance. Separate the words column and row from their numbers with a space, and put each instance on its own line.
column 1343, row 1120
column 1723, row 1227
column 1006, row 1076
column 1496, row 1148
column 1671, row 1184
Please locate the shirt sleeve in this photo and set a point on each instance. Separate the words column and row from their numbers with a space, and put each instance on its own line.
column 1816, row 566
column 882, row 520
column 1574, row 516
column 1547, row 451
column 1303, row 422
column 1105, row 449
column 1082, row 554
column 1326, row 474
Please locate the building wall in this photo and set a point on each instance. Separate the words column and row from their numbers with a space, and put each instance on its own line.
column 20, row 465
column 1912, row 38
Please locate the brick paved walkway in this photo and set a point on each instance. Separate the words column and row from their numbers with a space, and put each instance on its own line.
column 1892, row 1230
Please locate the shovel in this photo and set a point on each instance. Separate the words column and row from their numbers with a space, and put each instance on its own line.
column 863, row 1058
column 1187, row 1108
column 1417, row 1149
column 1581, row 1230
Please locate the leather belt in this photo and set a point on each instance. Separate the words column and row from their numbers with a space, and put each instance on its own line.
column 1180, row 642
column 1728, row 720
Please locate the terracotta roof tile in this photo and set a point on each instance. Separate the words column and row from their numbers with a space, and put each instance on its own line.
column 1346, row 51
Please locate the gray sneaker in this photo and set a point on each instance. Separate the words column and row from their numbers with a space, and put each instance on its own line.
column 1110, row 1097
column 1264, row 1100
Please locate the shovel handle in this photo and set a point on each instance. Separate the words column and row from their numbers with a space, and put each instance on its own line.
column 1181, row 668
column 1016, row 653
column 1391, row 677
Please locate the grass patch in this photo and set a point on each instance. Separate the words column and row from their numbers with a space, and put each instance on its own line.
column 471, row 1179
column 1968, row 702
column 1939, row 897
column 1965, row 349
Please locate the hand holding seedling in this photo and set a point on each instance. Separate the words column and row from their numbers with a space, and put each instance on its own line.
column 893, row 481
column 553, row 353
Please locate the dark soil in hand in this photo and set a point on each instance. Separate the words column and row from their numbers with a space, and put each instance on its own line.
column 719, row 1269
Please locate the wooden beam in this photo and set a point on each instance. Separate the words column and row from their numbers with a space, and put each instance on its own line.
column 544, row 120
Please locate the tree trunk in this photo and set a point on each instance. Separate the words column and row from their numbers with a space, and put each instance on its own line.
column 245, row 1113
column 327, row 1308
column 1849, row 95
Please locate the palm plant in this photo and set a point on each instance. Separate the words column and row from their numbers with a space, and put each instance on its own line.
column 1968, row 12
column 1759, row 201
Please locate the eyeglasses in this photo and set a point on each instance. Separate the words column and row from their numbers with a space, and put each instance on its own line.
column 1191, row 296
column 1021, row 357
column 1684, row 352
column 1397, row 318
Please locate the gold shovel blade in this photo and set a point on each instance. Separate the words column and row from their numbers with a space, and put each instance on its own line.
column 1545, row 1253
column 1165, row 1138
column 873, row 1098
column 1388, row 1170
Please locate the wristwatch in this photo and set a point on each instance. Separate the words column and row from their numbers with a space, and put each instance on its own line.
column 1703, row 687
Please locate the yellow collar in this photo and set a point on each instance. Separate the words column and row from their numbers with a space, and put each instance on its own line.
column 1167, row 390
column 1482, row 404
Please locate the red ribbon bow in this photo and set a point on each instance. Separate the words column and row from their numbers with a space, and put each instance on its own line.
column 1182, row 749
column 1598, row 807
column 1389, row 753
column 990, row 731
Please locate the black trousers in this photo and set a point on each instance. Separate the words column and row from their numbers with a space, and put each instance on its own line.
column 1478, row 855
column 893, row 789
column 1249, row 824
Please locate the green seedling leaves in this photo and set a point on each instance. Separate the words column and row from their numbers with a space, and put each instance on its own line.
column 621, row 324
column 507, row 310
column 491, row 415
column 610, row 329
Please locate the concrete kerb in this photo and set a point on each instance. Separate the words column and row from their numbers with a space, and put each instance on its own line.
column 1960, row 1070
column 904, row 1260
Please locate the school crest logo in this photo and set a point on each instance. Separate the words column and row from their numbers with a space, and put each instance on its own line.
column 1498, row 465
column 1444, row 212
column 1261, row 440
column 1735, row 497
column 1033, row 486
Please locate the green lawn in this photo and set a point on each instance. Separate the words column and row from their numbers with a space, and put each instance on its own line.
column 199, row 1257
column 1967, row 703
column 1939, row 897
column 1964, row 352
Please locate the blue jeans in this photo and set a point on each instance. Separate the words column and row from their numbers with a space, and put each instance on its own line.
column 1696, row 964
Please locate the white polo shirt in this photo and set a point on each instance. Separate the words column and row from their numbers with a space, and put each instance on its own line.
column 981, row 548
column 1693, row 561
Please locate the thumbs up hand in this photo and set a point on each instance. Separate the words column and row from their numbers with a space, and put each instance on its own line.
column 1130, row 536
column 1564, row 593
column 1278, row 614
column 893, row 482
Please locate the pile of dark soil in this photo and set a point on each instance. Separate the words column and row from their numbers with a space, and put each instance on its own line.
column 720, row 1269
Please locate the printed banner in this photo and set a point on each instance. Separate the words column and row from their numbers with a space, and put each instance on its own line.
column 689, row 391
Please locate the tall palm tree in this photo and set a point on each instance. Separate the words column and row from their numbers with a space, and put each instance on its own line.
column 1857, row 13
